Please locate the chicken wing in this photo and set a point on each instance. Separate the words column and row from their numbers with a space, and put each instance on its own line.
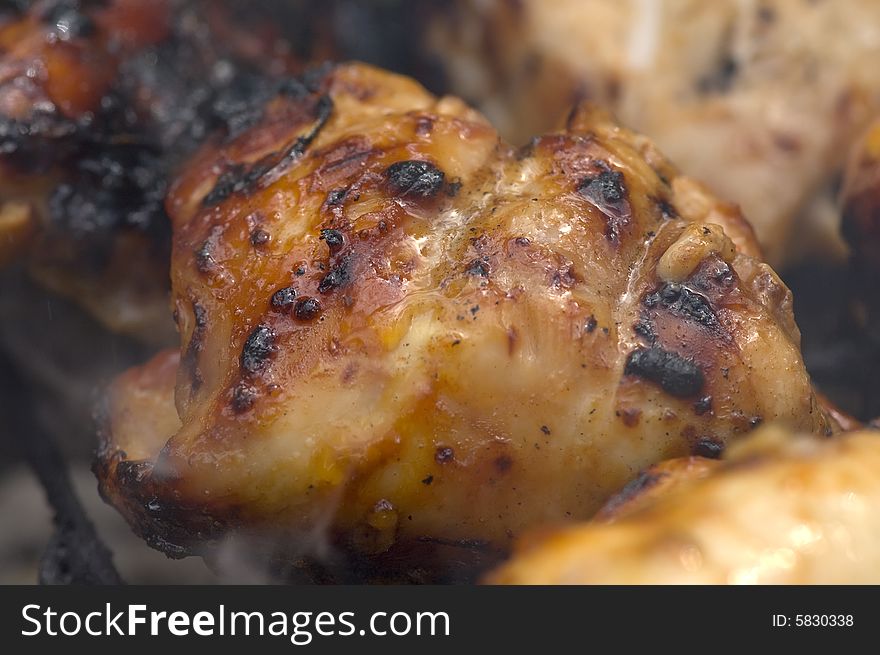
column 400, row 334
column 780, row 510
column 758, row 98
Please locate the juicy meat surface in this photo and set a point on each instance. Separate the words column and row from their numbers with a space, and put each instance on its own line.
column 400, row 333
column 758, row 99
column 780, row 510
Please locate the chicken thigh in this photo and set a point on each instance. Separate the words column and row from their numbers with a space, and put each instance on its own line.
column 400, row 336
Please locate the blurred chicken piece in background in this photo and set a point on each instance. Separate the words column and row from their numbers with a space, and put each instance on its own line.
column 757, row 98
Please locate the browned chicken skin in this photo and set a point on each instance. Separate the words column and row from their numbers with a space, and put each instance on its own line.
column 99, row 104
column 781, row 510
column 400, row 335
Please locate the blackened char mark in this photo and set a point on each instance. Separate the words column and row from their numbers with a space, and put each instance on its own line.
column 306, row 309
column 645, row 328
column 115, row 188
column 40, row 141
column 444, row 455
column 334, row 239
column 296, row 150
column 339, row 277
column 703, row 405
column 258, row 348
column 234, row 179
column 683, row 302
column 633, row 489
column 241, row 179
column 415, row 178
column 479, row 267
column 667, row 209
column 259, row 237
column 204, row 254
column 283, row 299
column 336, row 197
column 709, row 448
column 190, row 360
column 607, row 191
column 243, row 397
column 674, row 374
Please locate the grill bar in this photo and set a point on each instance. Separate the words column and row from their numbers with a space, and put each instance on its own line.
column 75, row 553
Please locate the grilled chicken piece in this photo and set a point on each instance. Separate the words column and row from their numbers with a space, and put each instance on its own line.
column 58, row 66
column 757, row 98
column 400, row 334
column 99, row 104
column 780, row 510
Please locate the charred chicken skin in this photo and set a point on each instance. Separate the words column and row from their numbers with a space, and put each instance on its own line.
column 780, row 510
column 401, row 336
column 100, row 102
column 758, row 99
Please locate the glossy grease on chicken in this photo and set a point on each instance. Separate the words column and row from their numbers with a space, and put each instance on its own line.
column 400, row 335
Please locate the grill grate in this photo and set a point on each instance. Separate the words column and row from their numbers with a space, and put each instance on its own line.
column 75, row 554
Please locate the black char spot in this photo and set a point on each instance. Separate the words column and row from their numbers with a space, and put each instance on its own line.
column 260, row 345
column 196, row 344
column 334, row 239
column 338, row 277
column 242, row 179
column 606, row 188
column 243, row 397
column 444, row 454
column 645, row 328
column 683, row 302
column 676, row 375
column 607, row 191
column 204, row 257
column 667, row 211
column 259, row 237
column 336, row 197
column 709, row 448
column 415, row 178
column 703, row 405
column 307, row 309
column 283, row 299
column 479, row 267
column 644, row 481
